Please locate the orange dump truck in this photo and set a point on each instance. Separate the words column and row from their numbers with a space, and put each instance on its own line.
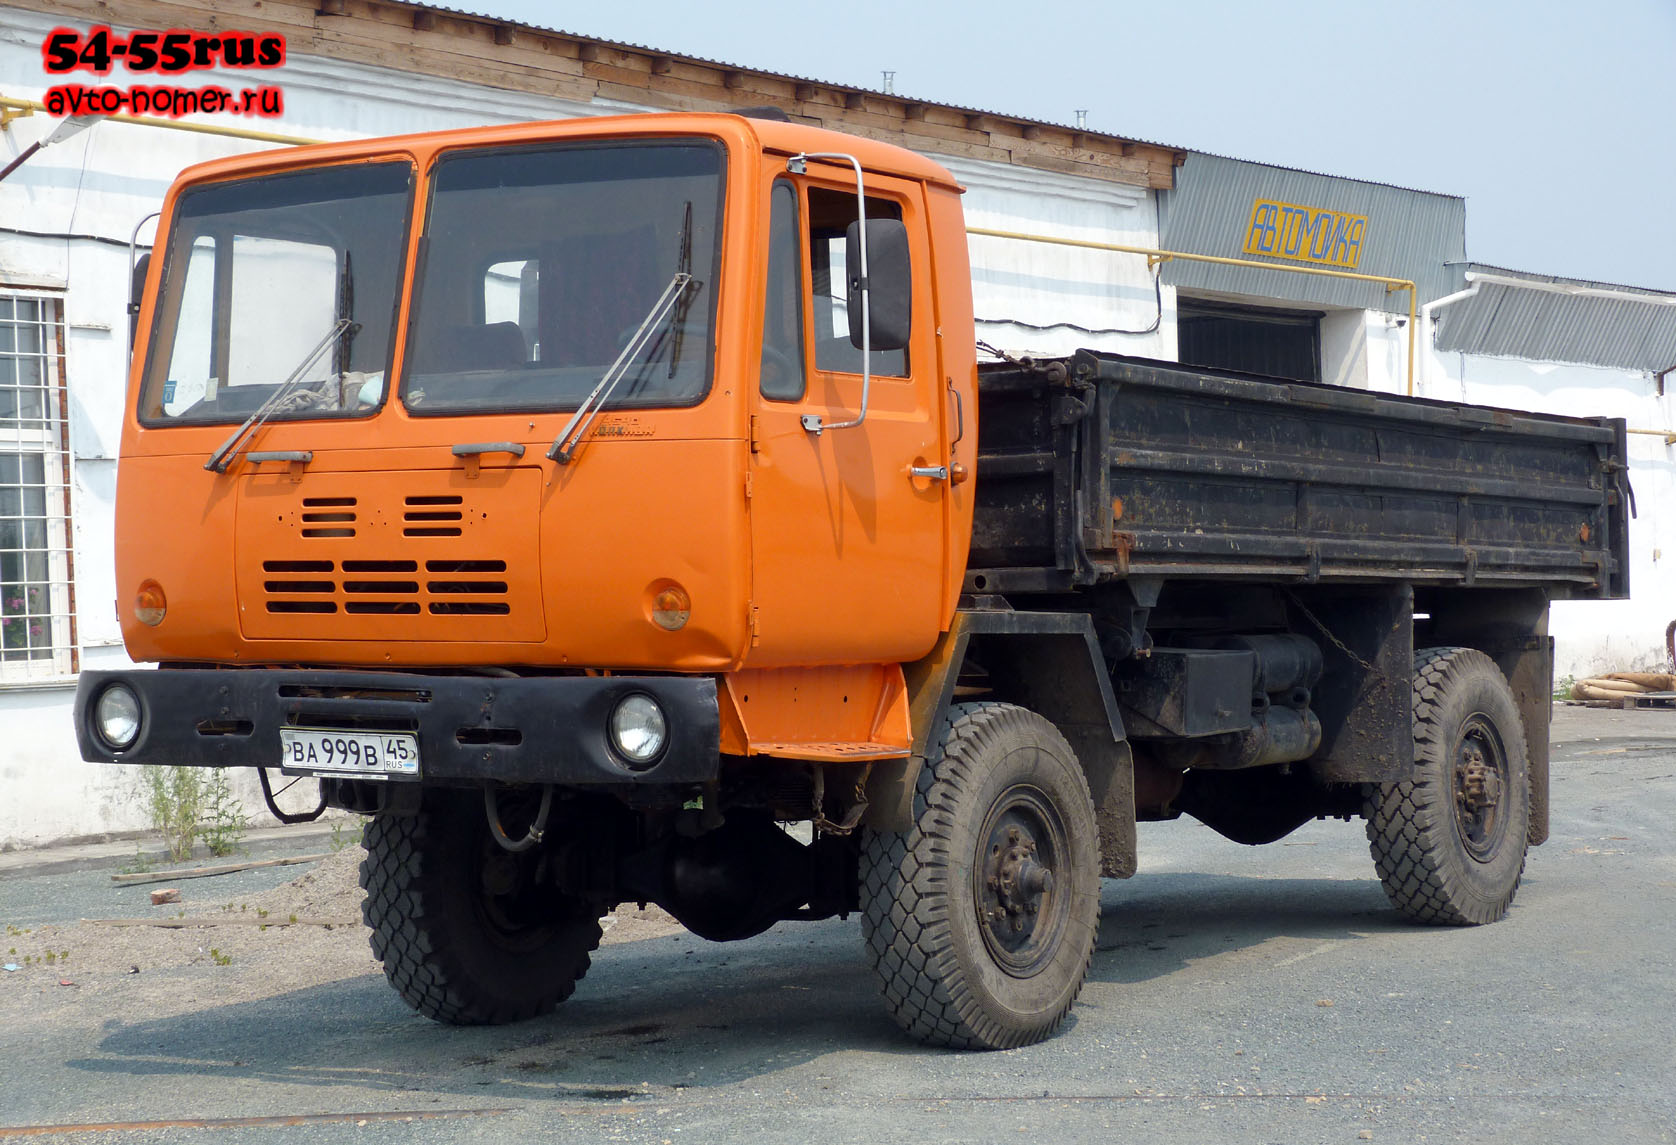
column 586, row 501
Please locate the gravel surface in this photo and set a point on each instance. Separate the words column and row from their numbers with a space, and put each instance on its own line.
column 242, row 946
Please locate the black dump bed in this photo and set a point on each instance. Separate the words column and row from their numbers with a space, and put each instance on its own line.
column 1099, row 466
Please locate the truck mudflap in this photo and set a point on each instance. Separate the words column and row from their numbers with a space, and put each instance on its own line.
column 541, row 729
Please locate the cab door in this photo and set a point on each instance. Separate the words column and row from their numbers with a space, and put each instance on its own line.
column 849, row 544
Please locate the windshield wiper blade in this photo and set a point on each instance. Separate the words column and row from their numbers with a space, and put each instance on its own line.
column 343, row 348
column 223, row 457
column 564, row 446
column 685, row 266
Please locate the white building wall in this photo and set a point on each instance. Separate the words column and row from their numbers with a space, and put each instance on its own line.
column 1595, row 636
column 1045, row 299
column 1345, row 348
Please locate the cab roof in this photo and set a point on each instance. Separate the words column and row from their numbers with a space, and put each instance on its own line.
column 741, row 131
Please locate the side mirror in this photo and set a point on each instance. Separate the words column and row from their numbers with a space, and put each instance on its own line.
column 136, row 287
column 890, row 283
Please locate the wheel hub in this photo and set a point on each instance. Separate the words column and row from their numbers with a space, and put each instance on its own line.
column 1019, row 881
column 1480, row 781
column 1014, row 880
column 1481, row 786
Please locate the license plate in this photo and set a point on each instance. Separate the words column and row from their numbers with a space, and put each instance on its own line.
column 334, row 752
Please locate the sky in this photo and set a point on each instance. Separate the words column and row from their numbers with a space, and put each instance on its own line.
column 1556, row 120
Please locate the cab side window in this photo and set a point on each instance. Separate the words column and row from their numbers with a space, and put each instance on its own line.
column 830, row 214
column 782, row 370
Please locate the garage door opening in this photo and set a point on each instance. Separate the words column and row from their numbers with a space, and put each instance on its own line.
column 1250, row 339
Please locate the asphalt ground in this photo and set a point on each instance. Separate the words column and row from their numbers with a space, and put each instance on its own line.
column 1237, row 994
column 64, row 884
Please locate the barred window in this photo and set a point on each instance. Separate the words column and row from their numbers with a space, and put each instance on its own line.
column 37, row 629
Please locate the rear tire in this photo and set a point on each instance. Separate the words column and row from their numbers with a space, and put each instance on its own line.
column 466, row 932
column 1450, row 844
column 981, row 918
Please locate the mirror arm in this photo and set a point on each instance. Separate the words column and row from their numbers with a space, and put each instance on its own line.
column 797, row 165
column 133, row 297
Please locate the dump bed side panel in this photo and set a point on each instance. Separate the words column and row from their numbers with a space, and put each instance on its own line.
column 1100, row 465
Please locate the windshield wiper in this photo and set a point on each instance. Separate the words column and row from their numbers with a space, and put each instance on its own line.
column 564, row 446
column 223, row 457
column 344, row 347
column 685, row 266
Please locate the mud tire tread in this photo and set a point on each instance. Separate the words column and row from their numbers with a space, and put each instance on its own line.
column 1410, row 826
column 929, row 987
column 429, row 951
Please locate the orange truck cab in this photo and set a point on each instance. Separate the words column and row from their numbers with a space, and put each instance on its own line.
column 583, row 501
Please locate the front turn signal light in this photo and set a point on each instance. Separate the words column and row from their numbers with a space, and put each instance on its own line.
column 150, row 604
column 671, row 607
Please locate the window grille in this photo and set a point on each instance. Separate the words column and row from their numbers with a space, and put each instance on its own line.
column 37, row 595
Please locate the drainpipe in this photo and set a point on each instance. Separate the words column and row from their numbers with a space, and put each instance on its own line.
column 1649, row 299
column 1426, row 318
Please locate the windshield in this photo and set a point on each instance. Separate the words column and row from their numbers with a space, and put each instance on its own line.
column 545, row 266
column 257, row 270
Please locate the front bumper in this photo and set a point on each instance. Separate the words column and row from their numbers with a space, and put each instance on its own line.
column 550, row 729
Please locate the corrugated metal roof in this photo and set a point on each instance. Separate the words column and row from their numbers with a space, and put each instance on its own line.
column 1410, row 234
column 1544, row 324
column 630, row 46
column 1326, row 174
column 789, row 76
column 624, row 45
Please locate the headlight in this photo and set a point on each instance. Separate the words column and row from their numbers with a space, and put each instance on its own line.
column 116, row 717
column 638, row 729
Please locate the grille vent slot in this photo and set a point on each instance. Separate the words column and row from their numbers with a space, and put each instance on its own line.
column 433, row 516
column 328, row 517
column 465, row 566
column 469, row 608
column 392, row 587
column 464, row 594
column 460, row 587
column 298, row 585
column 382, row 607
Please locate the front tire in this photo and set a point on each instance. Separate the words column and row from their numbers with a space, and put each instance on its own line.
column 1450, row 844
column 467, row 932
column 981, row 919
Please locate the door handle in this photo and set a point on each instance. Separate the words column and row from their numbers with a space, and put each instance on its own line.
column 479, row 448
column 934, row 472
column 472, row 453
